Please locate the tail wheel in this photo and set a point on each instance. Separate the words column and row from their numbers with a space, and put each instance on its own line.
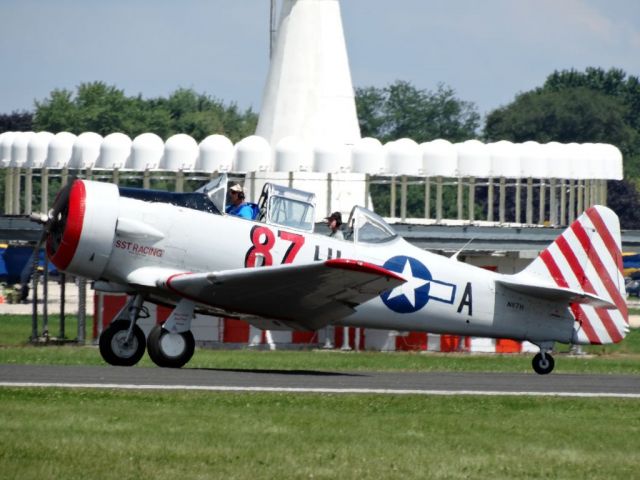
column 116, row 350
column 170, row 350
column 543, row 364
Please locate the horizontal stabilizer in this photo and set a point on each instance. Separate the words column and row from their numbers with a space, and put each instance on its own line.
column 555, row 293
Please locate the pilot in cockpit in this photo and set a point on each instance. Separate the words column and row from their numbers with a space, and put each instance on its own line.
column 236, row 204
column 334, row 221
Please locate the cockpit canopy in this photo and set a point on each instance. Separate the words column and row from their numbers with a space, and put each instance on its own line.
column 287, row 207
column 216, row 191
column 279, row 205
column 366, row 226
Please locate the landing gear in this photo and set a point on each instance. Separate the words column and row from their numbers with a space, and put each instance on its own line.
column 172, row 344
column 117, row 348
column 123, row 343
column 170, row 350
column 543, row 363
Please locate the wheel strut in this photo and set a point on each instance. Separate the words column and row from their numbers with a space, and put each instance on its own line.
column 123, row 342
column 135, row 307
column 543, row 362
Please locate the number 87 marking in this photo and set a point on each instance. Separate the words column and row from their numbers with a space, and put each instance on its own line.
column 263, row 240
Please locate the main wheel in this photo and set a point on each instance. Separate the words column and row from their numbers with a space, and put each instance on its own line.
column 170, row 350
column 114, row 347
column 543, row 365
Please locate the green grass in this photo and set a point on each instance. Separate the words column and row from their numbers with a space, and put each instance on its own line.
column 82, row 433
column 620, row 358
column 69, row 434
column 16, row 329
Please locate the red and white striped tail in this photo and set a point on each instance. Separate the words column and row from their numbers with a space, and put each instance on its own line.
column 588, row 256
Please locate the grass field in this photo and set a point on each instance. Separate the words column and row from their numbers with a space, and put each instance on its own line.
column 111, row 434
column 68, row 434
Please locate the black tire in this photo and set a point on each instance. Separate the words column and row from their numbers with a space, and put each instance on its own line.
column 543, row 365
column 113, row 349
column 157, row 347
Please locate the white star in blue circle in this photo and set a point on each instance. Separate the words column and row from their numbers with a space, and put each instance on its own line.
column 412, row 295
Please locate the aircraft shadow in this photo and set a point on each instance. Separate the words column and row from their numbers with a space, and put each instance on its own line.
column 312, row 373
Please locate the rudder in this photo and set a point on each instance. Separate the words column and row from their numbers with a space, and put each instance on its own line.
column 588, row 256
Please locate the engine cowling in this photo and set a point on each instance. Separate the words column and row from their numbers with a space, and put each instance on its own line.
column 82, row 231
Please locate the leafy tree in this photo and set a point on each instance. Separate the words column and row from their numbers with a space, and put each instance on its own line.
column 57, row 113
column 591, row 106
column 613, row 82
column 573, row 115
column 17, row 121
column 105, row 109
column 623, row 198
column 401, row 110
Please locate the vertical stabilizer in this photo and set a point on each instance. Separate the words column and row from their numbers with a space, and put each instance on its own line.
column 588, row 257
column 309, row 94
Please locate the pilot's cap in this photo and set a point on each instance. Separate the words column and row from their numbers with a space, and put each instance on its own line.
column 236, row 188
column 337, row 216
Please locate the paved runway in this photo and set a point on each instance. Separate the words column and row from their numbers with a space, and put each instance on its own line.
column 626, row 386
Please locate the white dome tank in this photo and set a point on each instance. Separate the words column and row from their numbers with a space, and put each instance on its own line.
column 60, row 150
column 292, row 155
column 252, row 154
column 114, row 151
column 533, row 161
column 367, row 156
column 505, row 159
column 439, row 158
column 580, row 163
column 146, row 152
column 403, row 157
column 591, row 154
column 474, row 159
column 613, row 162
column 86, row 150
column 19, row 149
column 558, row 160
column 216, row 154
column 331, row 158
column 6, row 140
column 180, row 153
column 37, row 149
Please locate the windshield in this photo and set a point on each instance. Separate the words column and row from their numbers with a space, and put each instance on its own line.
column 288, row 207
column 216, row 190
column 290, row 213
column 369, row 227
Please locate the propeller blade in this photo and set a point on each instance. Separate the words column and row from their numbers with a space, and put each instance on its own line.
column 49, row 220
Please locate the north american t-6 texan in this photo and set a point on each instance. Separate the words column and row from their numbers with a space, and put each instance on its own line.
column 182, row 250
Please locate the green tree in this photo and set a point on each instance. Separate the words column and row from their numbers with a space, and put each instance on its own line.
column 105, row 109
column 401, row 110
column 17, row 121
column 572, row 115
column 571, row 106
column 57, row 113
column 613, row 82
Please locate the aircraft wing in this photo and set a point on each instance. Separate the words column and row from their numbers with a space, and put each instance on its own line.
column 555, row 293
column 309, row 296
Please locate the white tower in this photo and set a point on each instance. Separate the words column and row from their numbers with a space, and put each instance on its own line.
column 309, row 94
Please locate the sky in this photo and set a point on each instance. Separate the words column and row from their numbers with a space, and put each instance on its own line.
column 486, row 50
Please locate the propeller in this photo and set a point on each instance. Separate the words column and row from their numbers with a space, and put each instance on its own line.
column 54, row 222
